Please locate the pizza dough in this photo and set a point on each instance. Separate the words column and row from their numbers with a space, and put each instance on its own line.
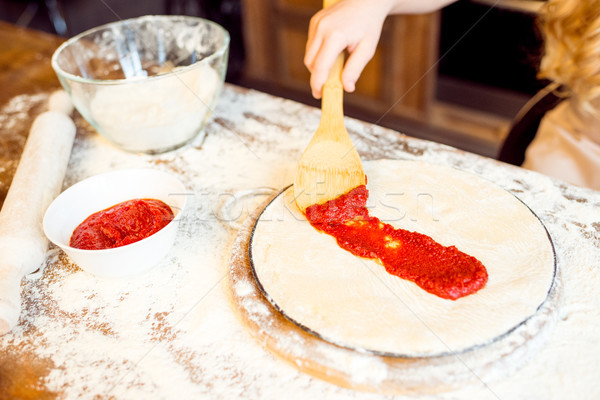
column 354, row 302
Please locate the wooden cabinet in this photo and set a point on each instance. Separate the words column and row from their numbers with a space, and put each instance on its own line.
column 400, row 79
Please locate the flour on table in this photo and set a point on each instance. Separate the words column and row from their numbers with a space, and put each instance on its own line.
column 172, row 333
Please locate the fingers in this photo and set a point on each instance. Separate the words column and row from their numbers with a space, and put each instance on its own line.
column 313, row 44
column 323, row 61
column 359, row 57
column 354, row 25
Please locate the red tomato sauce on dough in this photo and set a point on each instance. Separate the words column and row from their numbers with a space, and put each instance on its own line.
column 121, row 224
column 443, row 271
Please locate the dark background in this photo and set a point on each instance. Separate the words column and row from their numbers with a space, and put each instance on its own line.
column 492, row 47
column 81, row 15
column 495, row 49
column 489, row 51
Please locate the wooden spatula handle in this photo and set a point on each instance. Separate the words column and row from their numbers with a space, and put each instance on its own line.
column 334, row 80
column 333, row 93
column 332, row 103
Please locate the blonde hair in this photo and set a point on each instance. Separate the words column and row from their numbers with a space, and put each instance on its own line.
column 571, row 30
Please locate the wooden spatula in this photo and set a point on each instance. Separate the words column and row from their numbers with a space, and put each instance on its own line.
column 330, row 165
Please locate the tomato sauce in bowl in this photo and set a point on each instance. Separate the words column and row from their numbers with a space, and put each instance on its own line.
column 124, row 223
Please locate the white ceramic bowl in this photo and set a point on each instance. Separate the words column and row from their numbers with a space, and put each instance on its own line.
column 147, row 84
column 99, row 192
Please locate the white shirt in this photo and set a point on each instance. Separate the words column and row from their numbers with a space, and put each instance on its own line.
column 567, row 147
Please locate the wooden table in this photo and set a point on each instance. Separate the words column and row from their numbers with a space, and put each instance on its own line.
column 172, row 333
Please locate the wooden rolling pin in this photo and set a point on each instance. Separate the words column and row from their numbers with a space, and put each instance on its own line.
column 36, row 183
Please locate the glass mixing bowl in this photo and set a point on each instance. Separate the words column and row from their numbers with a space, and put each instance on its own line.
column 147, row 84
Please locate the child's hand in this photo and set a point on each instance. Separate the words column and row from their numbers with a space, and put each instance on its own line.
column 354, row 25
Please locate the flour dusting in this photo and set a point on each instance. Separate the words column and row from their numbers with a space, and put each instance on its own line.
column 173, row 333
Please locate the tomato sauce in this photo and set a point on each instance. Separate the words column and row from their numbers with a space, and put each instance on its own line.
column 443, row 271
column 121, row 224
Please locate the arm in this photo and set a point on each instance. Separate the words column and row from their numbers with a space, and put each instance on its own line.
column 354, row 25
